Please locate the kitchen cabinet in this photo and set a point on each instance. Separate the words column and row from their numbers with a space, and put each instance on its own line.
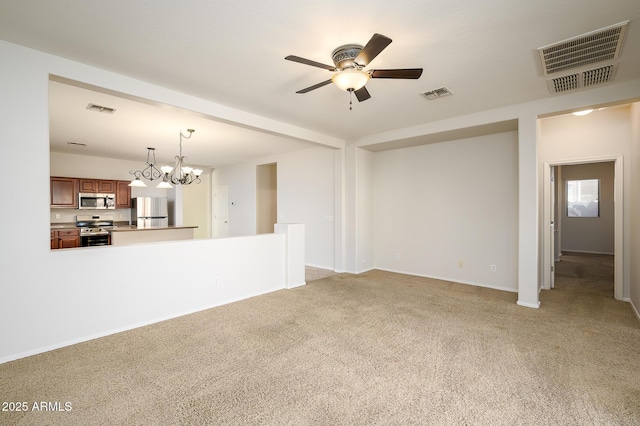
column 64, row 192
column 123, row 194
column 65, row 238
column 97, row 186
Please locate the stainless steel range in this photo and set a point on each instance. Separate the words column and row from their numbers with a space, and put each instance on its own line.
column 95, row 230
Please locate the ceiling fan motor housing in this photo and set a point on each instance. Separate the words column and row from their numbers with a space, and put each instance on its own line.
column 344, row 56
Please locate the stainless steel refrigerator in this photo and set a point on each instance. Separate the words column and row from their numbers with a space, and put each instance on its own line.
column 149, row 212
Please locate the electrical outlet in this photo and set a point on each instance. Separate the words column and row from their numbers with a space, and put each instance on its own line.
column 493, row 268
column 215, row 281
column 57, row 215
column 460, row 264
column 397, row 256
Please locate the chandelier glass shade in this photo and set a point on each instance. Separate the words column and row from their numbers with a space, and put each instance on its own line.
column 350, row 79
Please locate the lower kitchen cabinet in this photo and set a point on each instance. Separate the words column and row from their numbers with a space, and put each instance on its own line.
column 65, row 238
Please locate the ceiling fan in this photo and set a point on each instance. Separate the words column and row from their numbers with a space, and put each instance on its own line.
column 350, row 61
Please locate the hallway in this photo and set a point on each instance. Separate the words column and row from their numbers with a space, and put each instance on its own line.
column 584, row 272
column 584, row 284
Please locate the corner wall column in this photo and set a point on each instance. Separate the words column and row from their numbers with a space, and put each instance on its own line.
column 294, row 272
column 528, row 252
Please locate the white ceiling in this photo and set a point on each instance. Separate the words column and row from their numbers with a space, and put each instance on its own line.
column 232, row 53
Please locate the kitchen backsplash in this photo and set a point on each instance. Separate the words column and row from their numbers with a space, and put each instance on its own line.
column 69, row 215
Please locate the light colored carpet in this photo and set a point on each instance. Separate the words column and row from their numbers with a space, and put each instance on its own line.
column 373, row 349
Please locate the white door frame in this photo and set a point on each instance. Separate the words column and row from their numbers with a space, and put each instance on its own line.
column 553, row 224
column 547, row 214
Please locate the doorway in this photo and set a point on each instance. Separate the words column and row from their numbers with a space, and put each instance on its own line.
column 559, row 226
column 266, row 198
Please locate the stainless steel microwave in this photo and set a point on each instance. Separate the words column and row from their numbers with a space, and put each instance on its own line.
column 88, row 200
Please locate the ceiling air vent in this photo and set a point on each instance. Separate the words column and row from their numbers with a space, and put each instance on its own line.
column 598, row 75
column 596, row 46
column 100, row 108
column 579, row 80
column 437, row 93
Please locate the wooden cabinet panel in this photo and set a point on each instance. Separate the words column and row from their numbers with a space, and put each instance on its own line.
column 88, row 185
column 97, row 186
column 107, row 186
column 67, row 238
column 123, row 194
column 68, row 241
column 64, row 192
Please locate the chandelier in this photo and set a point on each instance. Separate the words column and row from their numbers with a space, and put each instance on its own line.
column 180, row 174
column 150, row 172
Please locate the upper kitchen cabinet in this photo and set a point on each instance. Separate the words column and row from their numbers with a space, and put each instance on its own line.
column 123, row 194
column 97, row 186
column 64, row 192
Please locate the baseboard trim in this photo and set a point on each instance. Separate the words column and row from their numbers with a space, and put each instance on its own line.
column 586, row 252
column 529, row 305
column 395, row 271
column 328, row 268
column 635, row 309
column 295, row 285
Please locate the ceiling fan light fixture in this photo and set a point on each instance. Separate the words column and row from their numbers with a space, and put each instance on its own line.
column 350, row 79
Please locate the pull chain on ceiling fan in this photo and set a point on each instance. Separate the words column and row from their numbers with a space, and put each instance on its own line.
column 350, row 61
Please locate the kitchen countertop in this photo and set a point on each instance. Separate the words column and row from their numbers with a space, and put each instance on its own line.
column 70, row 225
column 119, row 227
column 127, row 228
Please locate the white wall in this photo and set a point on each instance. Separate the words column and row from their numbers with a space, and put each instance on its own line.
column 634, row 291
column 365, row 211
column 441, row 204
column 305, row 195
column 589, row 234
column 241, row 182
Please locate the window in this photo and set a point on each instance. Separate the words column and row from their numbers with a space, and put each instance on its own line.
column 582, row 198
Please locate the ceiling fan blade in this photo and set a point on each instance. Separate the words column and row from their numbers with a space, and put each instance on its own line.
column 309, row 62
column 315, row 86
column 374, row 46
column 362, row 94
column 411, row 73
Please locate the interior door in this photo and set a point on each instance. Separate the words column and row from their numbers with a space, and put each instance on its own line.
column 221, row 212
